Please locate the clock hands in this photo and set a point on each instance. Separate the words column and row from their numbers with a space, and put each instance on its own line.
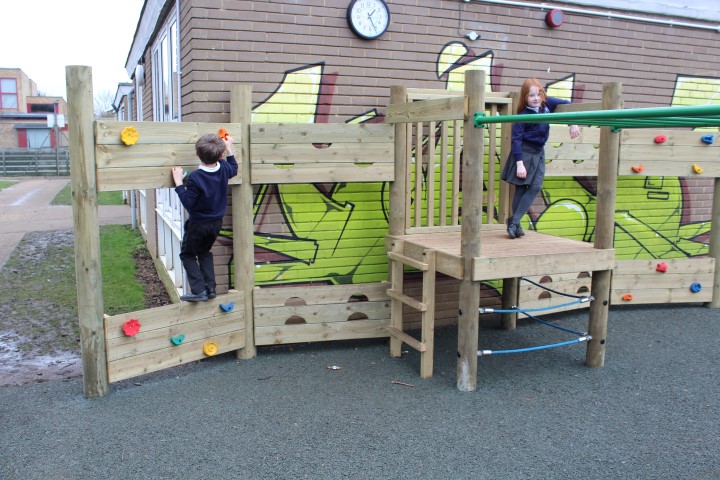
column 371, row 20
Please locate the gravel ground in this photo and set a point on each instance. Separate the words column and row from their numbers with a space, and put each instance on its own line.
column 651, row 413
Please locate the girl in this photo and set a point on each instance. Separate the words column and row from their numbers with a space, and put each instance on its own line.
column 525, row 167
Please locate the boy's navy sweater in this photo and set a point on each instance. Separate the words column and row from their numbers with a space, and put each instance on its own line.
column 204, row 195
column 533, row 134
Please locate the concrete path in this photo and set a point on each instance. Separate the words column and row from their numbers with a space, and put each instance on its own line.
column 25, row 207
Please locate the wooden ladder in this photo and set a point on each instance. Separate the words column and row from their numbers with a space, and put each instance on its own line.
column 426, row 306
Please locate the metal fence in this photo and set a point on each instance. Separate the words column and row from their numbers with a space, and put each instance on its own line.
column 44, row 162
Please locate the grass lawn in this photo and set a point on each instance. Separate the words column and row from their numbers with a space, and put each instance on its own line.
column 104, row 198
column 6, row 183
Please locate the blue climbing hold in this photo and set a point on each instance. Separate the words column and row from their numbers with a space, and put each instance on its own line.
column 708, row 138
column 695, row 287
column 227, row 307
column 177, row 339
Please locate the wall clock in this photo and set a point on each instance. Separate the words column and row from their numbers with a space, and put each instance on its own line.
column 368, row 18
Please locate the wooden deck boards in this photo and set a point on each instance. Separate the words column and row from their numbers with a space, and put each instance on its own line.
column 501, row 257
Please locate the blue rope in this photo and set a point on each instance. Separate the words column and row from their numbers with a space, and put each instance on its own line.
column 541, row 309
column 579, row 334
column 532, row 349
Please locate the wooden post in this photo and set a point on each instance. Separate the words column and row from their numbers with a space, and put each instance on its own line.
column 86, row 230
column 242, row 217
column 604, row 228
column 472, row 182
column 398, row 94
column 398, row 212
column 715, row 245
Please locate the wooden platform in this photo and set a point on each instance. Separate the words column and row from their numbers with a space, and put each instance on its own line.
column 501, row 257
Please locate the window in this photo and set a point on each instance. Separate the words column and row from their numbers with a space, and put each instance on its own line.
column 8, row 94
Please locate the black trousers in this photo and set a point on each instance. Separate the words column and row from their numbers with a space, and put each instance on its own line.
column 196, row 257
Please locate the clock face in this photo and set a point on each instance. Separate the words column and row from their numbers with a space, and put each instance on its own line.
column 368, row 18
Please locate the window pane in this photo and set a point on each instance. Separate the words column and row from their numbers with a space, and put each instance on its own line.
column 9, row 101
column 8, row 85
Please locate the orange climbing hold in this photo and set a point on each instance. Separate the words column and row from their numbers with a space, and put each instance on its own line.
column 638, row 168
column 627, row 297
column 224, row 134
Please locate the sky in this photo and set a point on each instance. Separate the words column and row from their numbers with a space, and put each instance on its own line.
column 41, row 37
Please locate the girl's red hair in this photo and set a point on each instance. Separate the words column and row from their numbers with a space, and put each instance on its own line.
column 525, row 89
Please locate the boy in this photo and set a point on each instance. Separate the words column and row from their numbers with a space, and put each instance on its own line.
column 204, row 196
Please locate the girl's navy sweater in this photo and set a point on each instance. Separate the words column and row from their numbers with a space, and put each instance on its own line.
column 533, row 134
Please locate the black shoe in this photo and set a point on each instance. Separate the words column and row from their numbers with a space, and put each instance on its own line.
column 519, row 232
column 511, row 230
column 211, row 293
column 191, row 297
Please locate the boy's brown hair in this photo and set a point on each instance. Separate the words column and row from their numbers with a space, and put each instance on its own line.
column 525, row 89
column 209, row 148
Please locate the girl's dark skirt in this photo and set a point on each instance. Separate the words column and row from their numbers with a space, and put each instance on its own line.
column 534, row 161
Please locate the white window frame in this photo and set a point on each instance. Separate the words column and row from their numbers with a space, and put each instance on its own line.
column 166, row 108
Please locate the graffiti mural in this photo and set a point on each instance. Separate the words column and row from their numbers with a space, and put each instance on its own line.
column 334, row 233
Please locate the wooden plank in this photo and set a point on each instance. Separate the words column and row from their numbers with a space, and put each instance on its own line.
column 322, row 173
column 642, row 296
column 407, row 339
column 326, row 313
column 318, row 294
column 108, row 132
column 660, row 280
column 523, row 265
column 427, row 110
column 680, row 167
column 420, row 265
column 292, row 153
column 145, row 156
column 646, row 136
column 428, row 93
column 172, row 315
column 321, row 133
column 159, row 339
column 406, row 300
column 579, row 107
column 319, row 332
column 696, row 265
column 172, row 356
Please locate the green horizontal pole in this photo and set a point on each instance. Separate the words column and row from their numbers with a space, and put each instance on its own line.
column 611, row 117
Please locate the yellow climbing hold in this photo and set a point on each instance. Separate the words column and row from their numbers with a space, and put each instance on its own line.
column 697, row 168
column 210, row 349
column 129, row 136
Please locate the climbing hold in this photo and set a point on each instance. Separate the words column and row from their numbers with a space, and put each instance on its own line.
column 660, row 139
column 627, row 297
column 177, row 339
column 210, row 349
column 227, row 307
column 661, row 267
column 638, row 168
column 697, row 168
column 695, row 287
column 224, row 134
column 129, row 136
column 708, row 138
column 131, row 327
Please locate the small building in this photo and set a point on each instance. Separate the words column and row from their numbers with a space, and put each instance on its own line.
column 27, row 119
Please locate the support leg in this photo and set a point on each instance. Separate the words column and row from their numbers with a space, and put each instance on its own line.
column 428, row 316
column 510, row 296
column 597, row 324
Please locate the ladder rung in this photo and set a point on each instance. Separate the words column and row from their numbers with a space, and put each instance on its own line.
column 409, row 301
column 405, row 338
column 408, row 261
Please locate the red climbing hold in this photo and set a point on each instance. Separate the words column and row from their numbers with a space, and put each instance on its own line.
column 661, row 267
column 131, row 327
column 660, row 139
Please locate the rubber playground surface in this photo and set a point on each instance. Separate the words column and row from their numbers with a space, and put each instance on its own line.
column 348, row 410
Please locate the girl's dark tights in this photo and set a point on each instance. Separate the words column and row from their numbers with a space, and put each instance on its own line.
column 522, row 200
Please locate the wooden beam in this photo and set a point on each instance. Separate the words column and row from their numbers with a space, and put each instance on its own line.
column 715, row 244
column 86, row 230
column 472, row 182
column 242, row 217
column 604, row 228
column 405, row 338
